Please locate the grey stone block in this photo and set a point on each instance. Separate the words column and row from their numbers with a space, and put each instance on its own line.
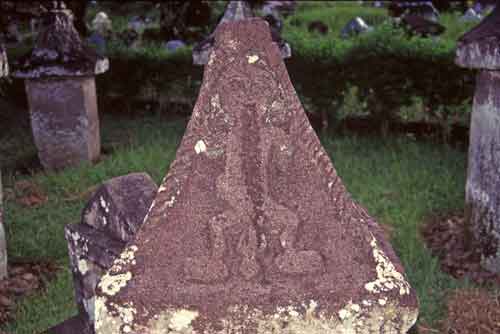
column 120, row 204
column 111, row 217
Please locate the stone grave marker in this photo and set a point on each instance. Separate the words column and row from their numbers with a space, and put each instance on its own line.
column 235, row 11
column 4, row 65
column 110, row 219
column 102, row 24
column 252, row 230
column 480, row 49
column 471, row 15
column 61, row 92
column 355, row 27
column 417, row 25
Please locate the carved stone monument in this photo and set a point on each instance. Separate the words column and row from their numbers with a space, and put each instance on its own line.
column 110, row 219
column 60, row 86
column 480, row 49
column 252, row 230
column 355, row 27
column 235, row 11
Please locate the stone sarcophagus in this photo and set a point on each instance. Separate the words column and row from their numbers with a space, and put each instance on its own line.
column 252, row 230
column 61, row 92
column 479, row 49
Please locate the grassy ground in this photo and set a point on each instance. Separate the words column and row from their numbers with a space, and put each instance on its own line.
column 399, row 180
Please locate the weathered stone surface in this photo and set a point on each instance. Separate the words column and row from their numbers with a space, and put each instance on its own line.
column 120, row 204
column 59, row 51
column 64, row 120
column 3, row 242
column 111, row 217
column 4, row 65
column 91, row 252
column 479, row 49
column 483, row 172
column 355, row 27
column 235, row 11
column 252, row 231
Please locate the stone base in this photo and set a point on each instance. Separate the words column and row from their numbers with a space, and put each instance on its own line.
column 64, row 120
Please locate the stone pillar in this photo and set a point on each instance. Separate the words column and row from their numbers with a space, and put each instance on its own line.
column 4, row 65
column 3, row 242
column 252, row 230
column 60, row 86
column 480, row 49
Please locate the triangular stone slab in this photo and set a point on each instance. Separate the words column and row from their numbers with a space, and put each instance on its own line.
column 252, row 230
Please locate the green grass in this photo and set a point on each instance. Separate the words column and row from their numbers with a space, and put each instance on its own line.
column 400, row 181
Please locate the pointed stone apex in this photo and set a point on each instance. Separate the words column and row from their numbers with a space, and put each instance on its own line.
column 252, row 230
column 59, row 51
column 237, row 10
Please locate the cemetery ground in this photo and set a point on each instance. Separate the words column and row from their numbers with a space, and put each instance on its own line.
column 401, row 181
column 404, row 181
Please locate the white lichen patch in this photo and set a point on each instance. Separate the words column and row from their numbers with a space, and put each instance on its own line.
column 170, row 202
column 83, row 266
column 308, row 319
column 112, row 284
column 388, row 277
column 252, row 59
column 181, row 319
column 233, row 44
column 200, row 147
column 117, row 319
column 104, row 204
column 211, row 58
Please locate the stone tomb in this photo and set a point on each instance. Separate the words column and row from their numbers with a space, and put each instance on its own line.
column 480, row 49
column 61, row 92
column 252, row 230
